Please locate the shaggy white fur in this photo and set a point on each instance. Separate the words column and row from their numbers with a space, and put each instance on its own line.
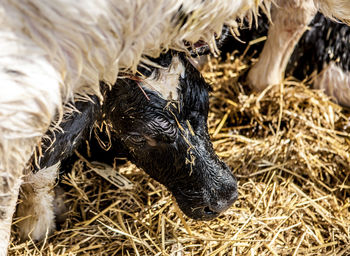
column 336, row 9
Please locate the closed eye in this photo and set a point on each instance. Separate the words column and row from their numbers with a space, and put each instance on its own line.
column 163, row 130
column 136, row 139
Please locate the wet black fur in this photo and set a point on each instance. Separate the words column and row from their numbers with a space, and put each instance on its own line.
column 153, row 133
column 76, row 128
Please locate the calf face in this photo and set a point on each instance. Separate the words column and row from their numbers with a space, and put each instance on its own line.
column 159, row 122
column 165, row 133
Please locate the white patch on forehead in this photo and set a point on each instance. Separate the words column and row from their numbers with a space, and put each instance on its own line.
column 166, row 81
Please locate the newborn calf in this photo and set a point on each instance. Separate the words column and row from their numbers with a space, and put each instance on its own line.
column 160, row 122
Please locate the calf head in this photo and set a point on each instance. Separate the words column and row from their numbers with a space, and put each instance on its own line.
column 161, row 122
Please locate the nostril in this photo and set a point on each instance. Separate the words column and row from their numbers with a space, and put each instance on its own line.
column 221, row 205
column 208, row 211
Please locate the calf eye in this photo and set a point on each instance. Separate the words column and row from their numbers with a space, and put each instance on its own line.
column 162, row 129
column 136, row 139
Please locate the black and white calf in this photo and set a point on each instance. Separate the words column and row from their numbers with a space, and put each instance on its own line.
column 160, row 116
column 323, row 43
column 324, row 48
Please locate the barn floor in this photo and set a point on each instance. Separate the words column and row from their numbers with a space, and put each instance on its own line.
column 289, row 149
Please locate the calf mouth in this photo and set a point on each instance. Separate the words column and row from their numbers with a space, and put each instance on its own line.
column 203, row 212
column 204, row 208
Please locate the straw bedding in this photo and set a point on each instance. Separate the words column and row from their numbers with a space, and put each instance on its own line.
column 289, row 148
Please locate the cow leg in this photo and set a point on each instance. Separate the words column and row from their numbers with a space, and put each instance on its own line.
column 9, row 187
column 30, row 95
column 289, row 21
column 42, row 202
column 335, row 82
column 14, row 153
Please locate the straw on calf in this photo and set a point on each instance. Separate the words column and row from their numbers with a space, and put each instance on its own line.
column 53, row 51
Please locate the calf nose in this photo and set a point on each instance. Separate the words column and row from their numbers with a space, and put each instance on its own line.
column 221, row 198
column 213, row 200
column 222, row 204
column 214, row 208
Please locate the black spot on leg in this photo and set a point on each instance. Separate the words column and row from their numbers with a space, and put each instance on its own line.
column 76, row 128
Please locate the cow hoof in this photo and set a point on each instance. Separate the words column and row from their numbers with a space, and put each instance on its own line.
column 36, row 207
